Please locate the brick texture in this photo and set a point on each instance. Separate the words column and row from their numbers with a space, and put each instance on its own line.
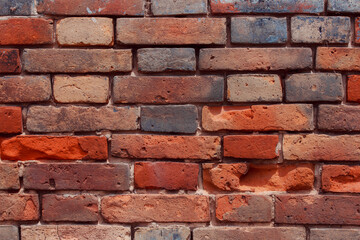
column 165, row 233
column 182, row 7
column 340, row 59
column 340, row 178
column 11, row 120
column 338, row 118
column 9, row 176
column 19, row 207
column 353, row 88
column 10, row 61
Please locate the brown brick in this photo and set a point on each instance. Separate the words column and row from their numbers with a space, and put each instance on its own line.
column 81, row 119
column 19, row 207
column 255, row 59
column 251, row 146
column 9, row 176
column 249, row 233
column 10, row 61
column 258, row 118
column 167, row 175
column 79, row 208
column 157, row 208
column 54, row 148
column 156, row 146
column 340, row 178
column 336, row 58
column 320, row 147
column 317, row 209
column 244, row 208
column 26, row 31
column 339, row 118
column 171, row 31
column 77, row 60
column 82, row 176
column 257, row 178
column 81, row 89
column 9, row 232
column 83, row 31
column 91, row 7
column 10, row 120
column 168, row 89
column 14, row 89
column 334, row 234
column 79, row 232
column 353, row 88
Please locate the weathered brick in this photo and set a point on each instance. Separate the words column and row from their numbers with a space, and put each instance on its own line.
column 18, row 7
column 353, row 88
column 104, row 177
column 19, row 207
column 251, row 146
column 77, row 60
column 81, row 89
column 163, row 233
column 14, row 89
column 26, row 31
column 91, row 7
column 79, row 232
column 10, row 61
column 254, row 88
column 249, row 233
column 258, row 30
column 167, row 175
column 83, row 31
column 256, row 58
column 314, row 87
column 10, row 120
column 357, row 30
column 334, row 234
column 79, row 208
column 155, row 208
column 9, row 232
column 166, row 59
column 258, row 118
column 182, row 7
column 54, row 148
column 344, row 6
column 244, row 208
column 339, row 118
column 180, row 119
column 190, row 89
column 174, row 31
column 172, row 147
column 9, row 177
column 336, row 58
column 317, row 209
column 81, row 119
column 318, row 29
column 257, row 178
column 340, row 178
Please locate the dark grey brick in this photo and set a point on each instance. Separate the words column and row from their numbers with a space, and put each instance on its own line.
column 307, row 87
column 9, row 233
column 178, row 7
column 169, row 233
column 16, row 7
column 182, row 119
column 344, row 5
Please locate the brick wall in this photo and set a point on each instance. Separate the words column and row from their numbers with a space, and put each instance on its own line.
column 180, row 119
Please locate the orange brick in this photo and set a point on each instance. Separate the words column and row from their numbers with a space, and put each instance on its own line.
column 340, row 178
column 353, row 88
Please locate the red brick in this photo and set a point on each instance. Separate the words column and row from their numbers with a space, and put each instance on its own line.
column 54, row 148
column 353, row 88
column 10, row 120
column 26, row 31
column 257, row 178
column 288, row 117
column 9, row 176
column 171, row 31
column 155, row 208
column 244, row 208
column 156, row 146
column 80, row 208
column 317, row 209
column 321, row 147
column 19, row 207
column 251, row 146
column 82, row 176
column 10, row 61
column 340, row 178
column 91, row 7
column 337, row 58
column 167, row 175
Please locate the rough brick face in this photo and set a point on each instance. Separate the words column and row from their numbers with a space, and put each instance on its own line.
column 9, row 232
column 159, row 208
column 344, row 6
column 10, row 61
column 340, row 178
column 156, row 31
column 178, row 233
column 357, row 30
column 18, row 7
column 19, row 207
column 339, row 118
column 182, row 7
column 353, row 88
column 26, row 31
column 9, row 177
column 333, row 233
column 10, row 120
column 341, row 59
